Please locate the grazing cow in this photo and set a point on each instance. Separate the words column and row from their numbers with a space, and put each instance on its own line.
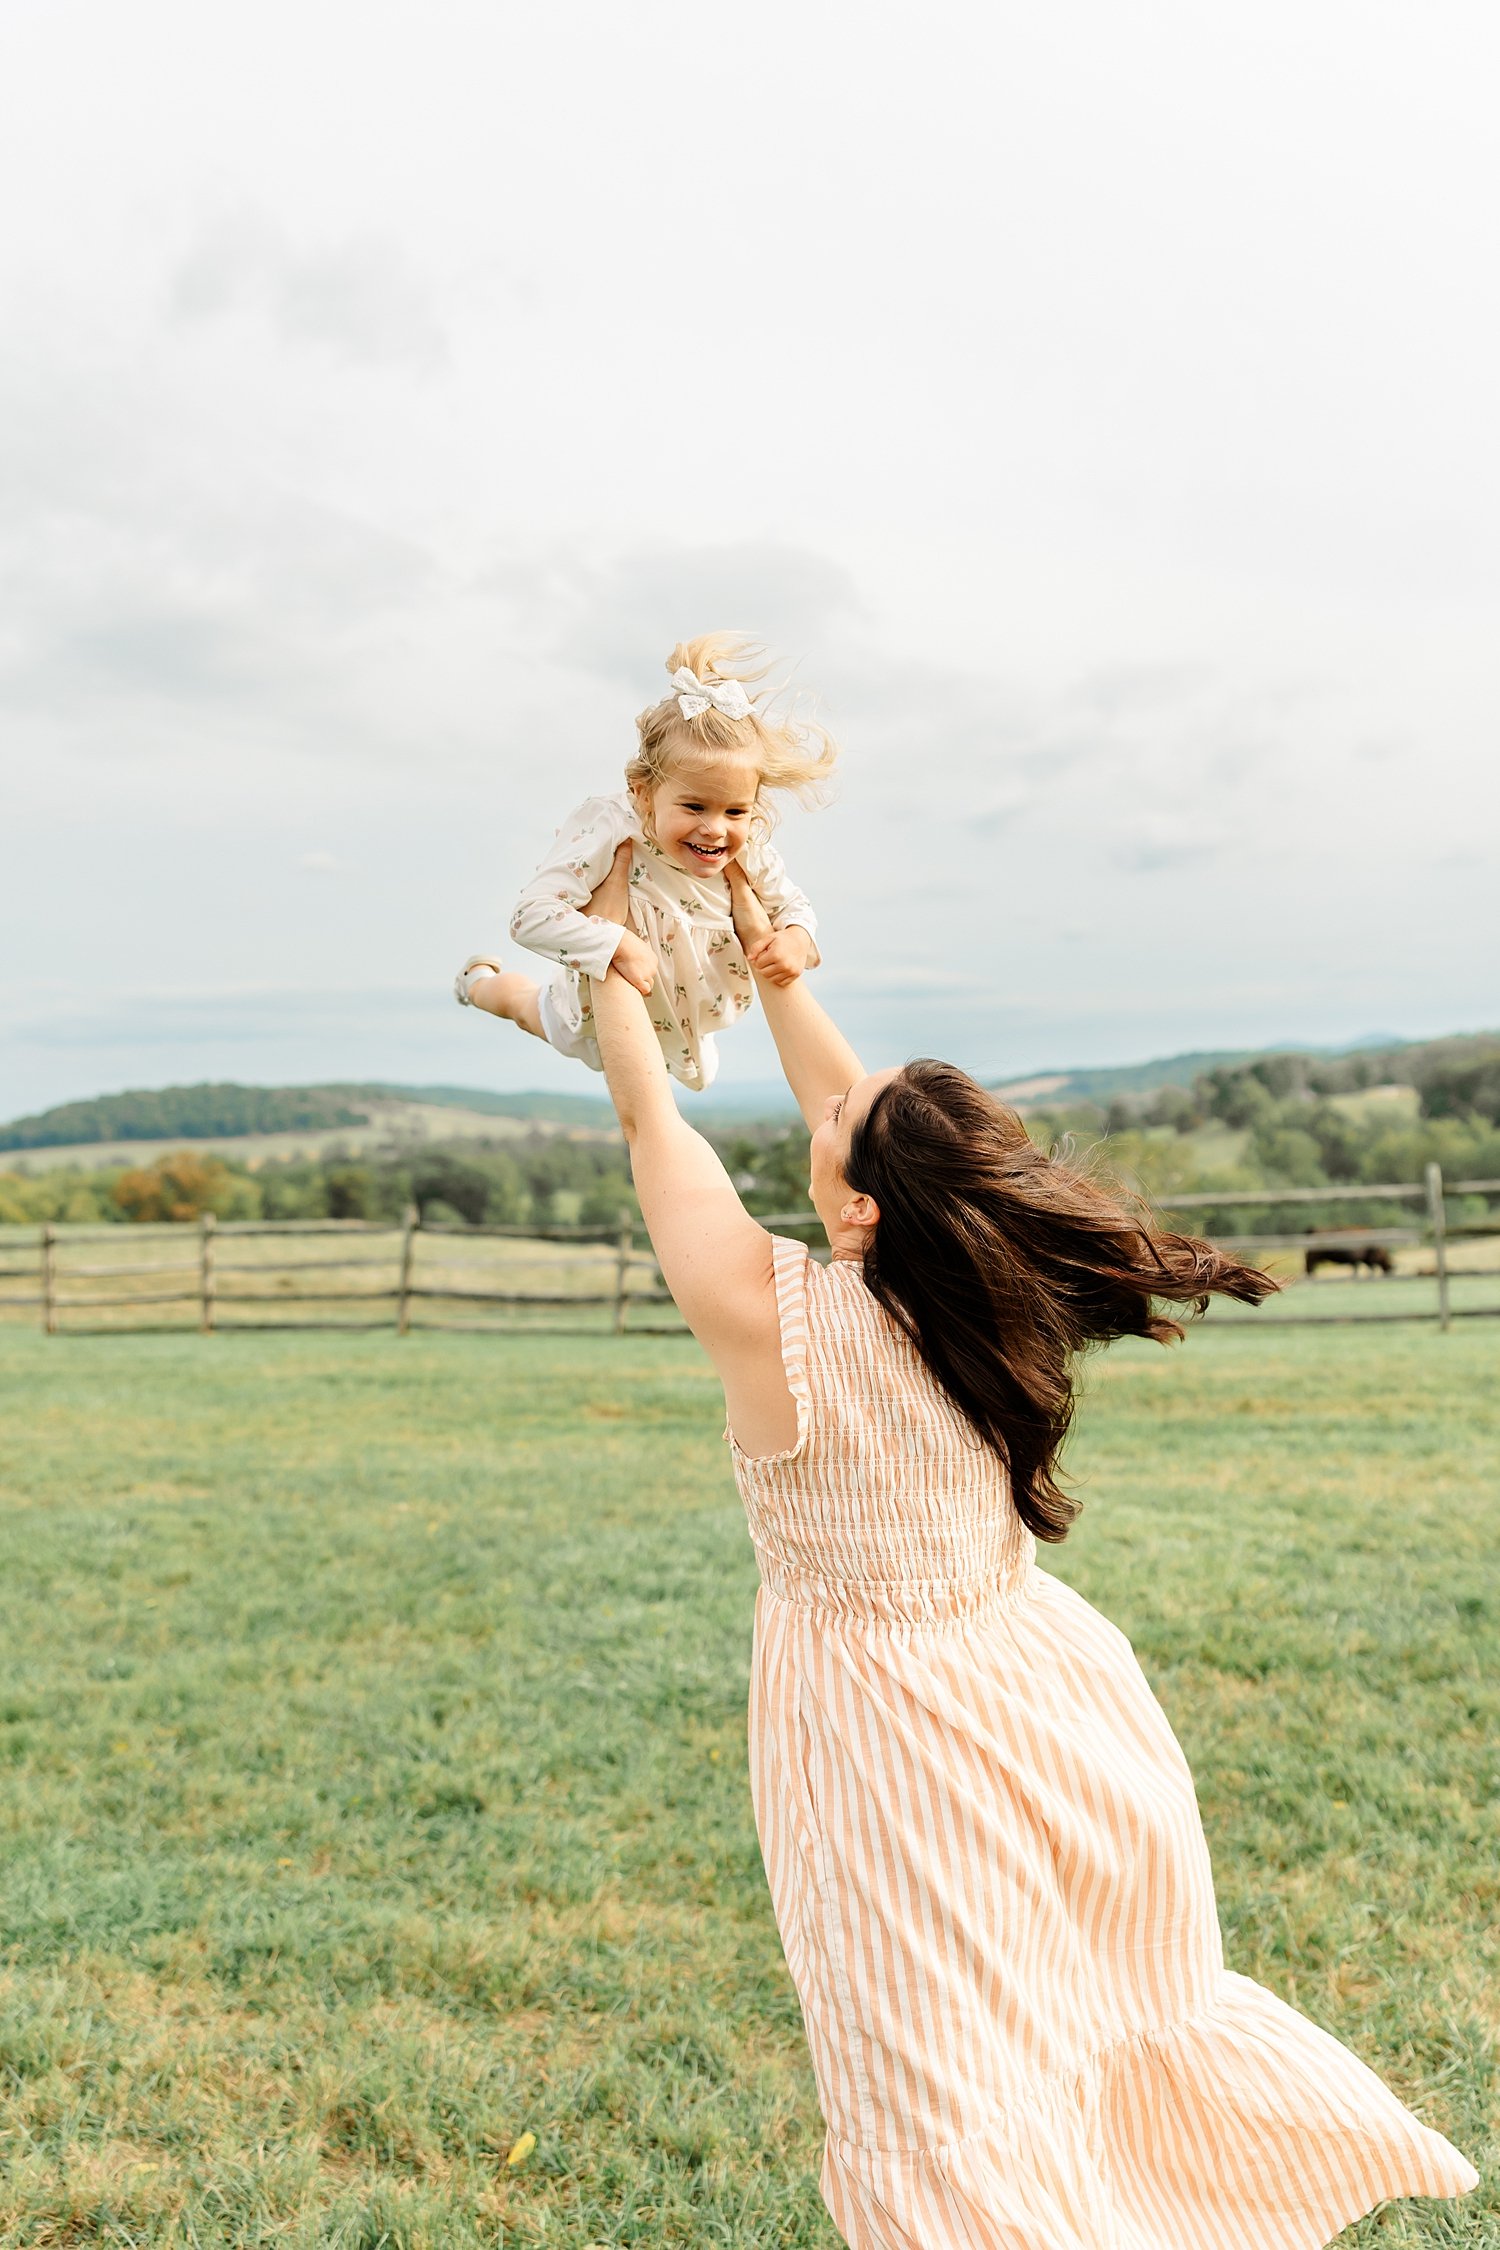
column 1353, row 1254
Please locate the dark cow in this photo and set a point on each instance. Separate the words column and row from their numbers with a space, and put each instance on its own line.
column 1352, row 1254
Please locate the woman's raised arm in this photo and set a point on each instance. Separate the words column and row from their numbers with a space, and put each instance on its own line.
column 714, row 1256
column 816, row 1057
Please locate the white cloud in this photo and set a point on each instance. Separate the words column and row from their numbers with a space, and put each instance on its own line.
column 361, row 298
column 1092, row 409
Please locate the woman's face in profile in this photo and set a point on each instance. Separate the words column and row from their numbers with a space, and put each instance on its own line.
column 830, row 1141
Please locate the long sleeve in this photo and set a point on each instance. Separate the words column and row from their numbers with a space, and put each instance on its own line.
column 786, row 905
column 549, row 917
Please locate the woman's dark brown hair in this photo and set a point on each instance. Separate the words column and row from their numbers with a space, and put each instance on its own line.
column 1003, row 1263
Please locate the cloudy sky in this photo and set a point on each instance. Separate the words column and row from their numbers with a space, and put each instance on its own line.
column 1094, row 405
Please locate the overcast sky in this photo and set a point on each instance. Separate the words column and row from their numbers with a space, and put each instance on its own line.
column 1096, row 405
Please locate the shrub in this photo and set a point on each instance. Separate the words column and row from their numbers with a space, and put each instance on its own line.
column 183, row 1186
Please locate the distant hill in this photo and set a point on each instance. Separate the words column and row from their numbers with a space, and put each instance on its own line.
column 1048, row 1087
column 547, row 1109
column 227, row 1112
column 231, row 1112
column 1396, row 1060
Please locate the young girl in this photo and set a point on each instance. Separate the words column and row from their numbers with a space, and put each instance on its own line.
column 697, row 798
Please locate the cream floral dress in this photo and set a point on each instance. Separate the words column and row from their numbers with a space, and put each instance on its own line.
column 704, row 981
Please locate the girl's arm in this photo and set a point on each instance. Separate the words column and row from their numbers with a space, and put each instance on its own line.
column 788, row 907
column 549, row 918
column 816, row 1057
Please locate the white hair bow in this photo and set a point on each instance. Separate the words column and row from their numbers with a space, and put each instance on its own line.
column 695, row 695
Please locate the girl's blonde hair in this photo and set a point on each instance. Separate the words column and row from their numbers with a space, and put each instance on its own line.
column 788, row 751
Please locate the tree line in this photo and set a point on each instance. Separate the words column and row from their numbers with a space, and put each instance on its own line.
column 1276, row 1121
column 544, row 1179
column 189, row 1113
column 1299, row 1121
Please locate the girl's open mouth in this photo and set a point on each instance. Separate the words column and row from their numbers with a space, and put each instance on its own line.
column 712, row 853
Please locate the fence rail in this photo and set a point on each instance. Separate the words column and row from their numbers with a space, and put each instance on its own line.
column 413, row 1275
column 237, row 1272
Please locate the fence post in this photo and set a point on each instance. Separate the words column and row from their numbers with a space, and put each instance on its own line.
column 206, row 1283
column 624, row 1243
column 1439, row 1223
column 49, row 1280
column 409, row 1226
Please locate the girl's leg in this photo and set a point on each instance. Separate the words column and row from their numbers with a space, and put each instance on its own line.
column 506, row 993
column 482, row 983
column 511, row 996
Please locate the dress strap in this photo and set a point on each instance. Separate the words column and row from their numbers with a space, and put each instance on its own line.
column 793, row 1269
column 790, row 1266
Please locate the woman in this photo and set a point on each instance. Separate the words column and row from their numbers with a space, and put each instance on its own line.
column 981, row 1837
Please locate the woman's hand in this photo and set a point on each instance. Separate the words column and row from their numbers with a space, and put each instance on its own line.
column 752, row 924
column 633, row 957
column 635, row 961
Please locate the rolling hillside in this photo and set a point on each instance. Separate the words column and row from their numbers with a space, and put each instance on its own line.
column 1389, row 1061
column 251, row 1122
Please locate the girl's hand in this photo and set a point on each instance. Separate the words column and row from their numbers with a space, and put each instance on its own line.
column 781, row 957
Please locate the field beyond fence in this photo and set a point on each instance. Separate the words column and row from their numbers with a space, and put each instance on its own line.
column 1434, row 1260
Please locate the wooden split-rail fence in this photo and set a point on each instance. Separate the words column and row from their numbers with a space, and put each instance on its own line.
column 307, row 1273
column 342, row 1273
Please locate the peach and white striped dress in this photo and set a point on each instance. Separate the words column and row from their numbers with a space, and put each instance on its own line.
column 988, row 1870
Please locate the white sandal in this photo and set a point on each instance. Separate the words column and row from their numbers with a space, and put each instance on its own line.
column 477, row 965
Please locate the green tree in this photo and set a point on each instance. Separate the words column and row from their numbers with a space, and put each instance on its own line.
column 1175, row 1108
column 349, row 1191
column 1340, row 1138
column 611, row 1195
column 1287, row 1155
column 441, row 1177
column 1463, row 1085
column 294, row 1190
column 1236, row 1097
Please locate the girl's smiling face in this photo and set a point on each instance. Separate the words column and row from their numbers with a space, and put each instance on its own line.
column 701, row 813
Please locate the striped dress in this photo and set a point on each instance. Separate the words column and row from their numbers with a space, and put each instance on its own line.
column 988, row 1870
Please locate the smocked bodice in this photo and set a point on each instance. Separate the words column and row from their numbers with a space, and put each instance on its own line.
column 888, row 1506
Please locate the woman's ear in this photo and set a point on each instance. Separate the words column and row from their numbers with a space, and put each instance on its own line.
column 859, row 1211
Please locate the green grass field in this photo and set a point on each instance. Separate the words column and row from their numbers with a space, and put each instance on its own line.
column 374, row 1789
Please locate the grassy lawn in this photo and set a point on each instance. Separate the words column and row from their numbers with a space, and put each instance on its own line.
column 372, row 1769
